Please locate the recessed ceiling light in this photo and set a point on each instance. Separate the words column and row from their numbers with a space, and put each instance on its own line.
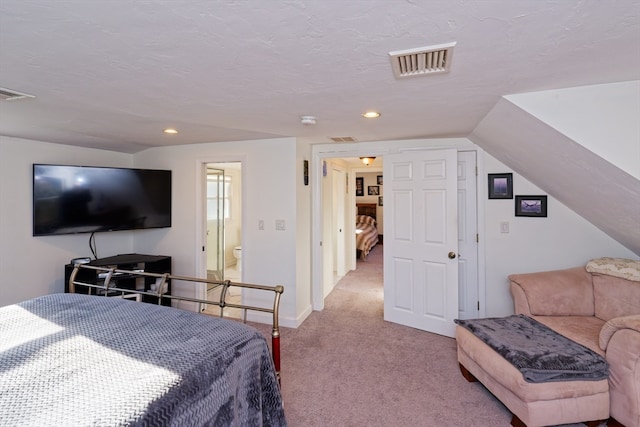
column 170, row 131
column 308, row 120
column 371, row 115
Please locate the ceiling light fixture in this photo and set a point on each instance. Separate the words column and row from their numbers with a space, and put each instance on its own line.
column 371, row 115
column 170, row 131
column 367, row 160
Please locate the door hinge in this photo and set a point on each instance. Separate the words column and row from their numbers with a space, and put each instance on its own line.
column 477, row 238
column 478, row 305
column 476, row 171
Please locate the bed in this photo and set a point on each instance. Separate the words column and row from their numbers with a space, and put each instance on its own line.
column 77, row 359
column 366, row 229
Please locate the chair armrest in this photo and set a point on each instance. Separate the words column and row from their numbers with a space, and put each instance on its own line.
column 616, row 324
column 567, row 292
column 520, row 302
column 623, row 356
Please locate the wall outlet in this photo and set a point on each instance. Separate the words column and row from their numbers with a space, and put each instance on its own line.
column 280, row 224
column 504, row 227
column 261, row 224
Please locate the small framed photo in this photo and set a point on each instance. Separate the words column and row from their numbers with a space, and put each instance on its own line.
column 379, row 200
column 379, row 179
column 360, row 186
column 501, row 186
column 535, row 206
column 373, row 190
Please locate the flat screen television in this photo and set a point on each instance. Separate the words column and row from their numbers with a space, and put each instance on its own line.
column 87, row 199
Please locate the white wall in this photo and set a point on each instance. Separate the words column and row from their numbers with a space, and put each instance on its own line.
column 561, row 240
column 34, row 266
column 303, row 236
column 270, row 184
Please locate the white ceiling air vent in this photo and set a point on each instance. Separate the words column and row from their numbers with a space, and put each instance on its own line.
column 422, row 61
column 10, row 95
column 343, row 139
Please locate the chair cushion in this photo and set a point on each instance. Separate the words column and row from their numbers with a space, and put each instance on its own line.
column 615, row 297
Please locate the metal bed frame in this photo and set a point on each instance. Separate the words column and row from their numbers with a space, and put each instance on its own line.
column 110, row 273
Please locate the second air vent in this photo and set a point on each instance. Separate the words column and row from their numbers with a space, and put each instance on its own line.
column 343, row 139
column 422, row 61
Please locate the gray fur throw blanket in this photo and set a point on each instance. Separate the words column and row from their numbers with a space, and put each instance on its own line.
column 540, row 353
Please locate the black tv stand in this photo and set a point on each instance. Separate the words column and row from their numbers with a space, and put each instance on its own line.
column 160, row 264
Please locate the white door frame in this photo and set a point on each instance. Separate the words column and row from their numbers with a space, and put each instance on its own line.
column 319, row 152
column 200, row 254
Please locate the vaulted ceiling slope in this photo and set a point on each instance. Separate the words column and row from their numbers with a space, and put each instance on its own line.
column 597, row 190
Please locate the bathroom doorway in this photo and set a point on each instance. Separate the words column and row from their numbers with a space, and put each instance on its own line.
column 224, row 229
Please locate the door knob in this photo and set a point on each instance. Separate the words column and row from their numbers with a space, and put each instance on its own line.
column 452, row 255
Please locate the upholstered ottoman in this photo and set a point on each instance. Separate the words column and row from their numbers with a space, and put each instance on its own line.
column 532, row 404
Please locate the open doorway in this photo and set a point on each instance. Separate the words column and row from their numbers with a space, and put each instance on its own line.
column 223, row 213
column 471, row 287
column 340, row 200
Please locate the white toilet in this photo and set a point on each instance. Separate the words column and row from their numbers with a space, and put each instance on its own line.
column 237, row 253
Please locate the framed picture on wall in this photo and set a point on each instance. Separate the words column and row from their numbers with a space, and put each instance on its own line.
column 380, row 201
column 535, row 206
column 373, row 190
column 379, row 182
column 360, row 186
column 501, row 186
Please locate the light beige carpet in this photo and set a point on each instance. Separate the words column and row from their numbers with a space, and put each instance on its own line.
column 346, row 366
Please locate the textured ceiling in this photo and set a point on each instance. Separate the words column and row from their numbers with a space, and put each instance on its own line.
column 112, row 74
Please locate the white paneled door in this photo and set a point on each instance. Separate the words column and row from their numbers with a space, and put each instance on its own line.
column 421, row 240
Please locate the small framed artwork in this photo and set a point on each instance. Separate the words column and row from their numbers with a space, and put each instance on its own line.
column 501, row 186
column 373, row 190
column 534, row 206
column 360, row 186
column 379, row 200
column 379, row 180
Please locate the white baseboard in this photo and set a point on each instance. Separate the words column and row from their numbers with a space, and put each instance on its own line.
column 287, row 322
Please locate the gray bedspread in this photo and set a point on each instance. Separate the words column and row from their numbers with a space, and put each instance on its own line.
column 78, row 360
column 540, row 353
